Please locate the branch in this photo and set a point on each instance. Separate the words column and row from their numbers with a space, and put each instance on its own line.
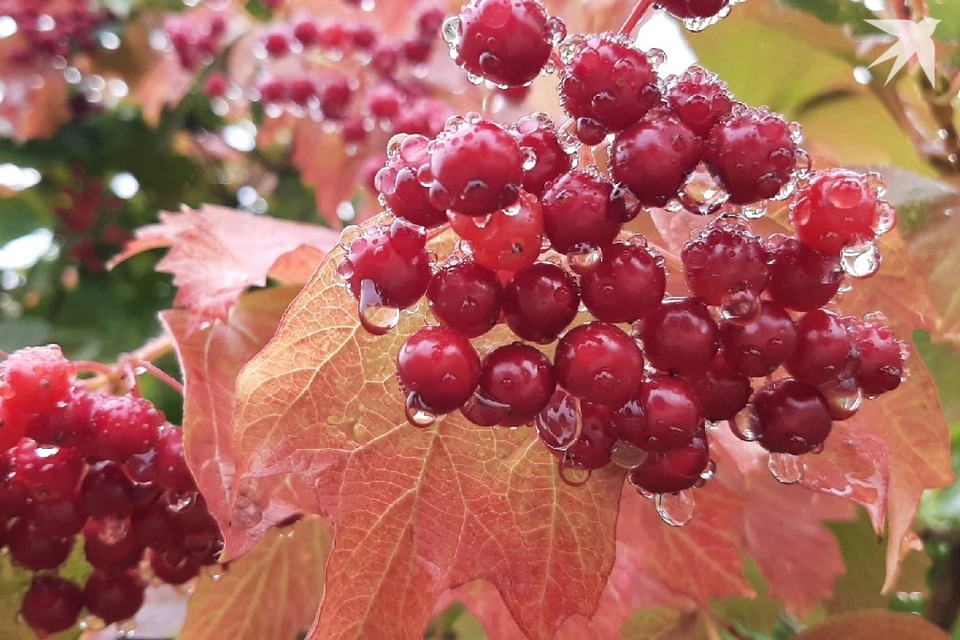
column 943, row 606
column 636, row 15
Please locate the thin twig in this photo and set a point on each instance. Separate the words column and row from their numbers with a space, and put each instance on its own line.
column 159, row 374
column 636, row 15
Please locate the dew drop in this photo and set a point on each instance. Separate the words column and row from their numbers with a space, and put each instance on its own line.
column 376, row 318
column 556, row 31
column 584, row 261
column 418, row 414
column 701, row 194
column 529, row 158
column 450, row 31
column 570, row 474
column 627, row 456
column 180, row 501
column 349, row 234
column 676, row 509
column 843, row 398
column 513, row 210
column 862, row 260
column 746, row 424
column 708, row 473
column 112, row 530
column 754, row 211
column 786, row 468
column 796, row 132
column 801, row 163
column 568, row 50
column 886, row 218
column 739, row 306
column 344, row 270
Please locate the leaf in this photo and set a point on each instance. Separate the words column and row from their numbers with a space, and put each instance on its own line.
column 271, row 592
column 949, row 15
column 416, row 511
column 34, row 104
column 217, row 253
column 210, row 361
column 656, row 624
column 874, row 625
column 937, row 255
column 841, row 12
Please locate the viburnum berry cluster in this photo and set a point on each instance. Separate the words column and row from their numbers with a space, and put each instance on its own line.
column 56, row 30
column 105, row 471
column 594, row 352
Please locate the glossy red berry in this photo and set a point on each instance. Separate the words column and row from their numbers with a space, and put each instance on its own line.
column 388, row 266
column 881, row 357
column 540, row 301
column 801, row 278
column 723, row 262
column 51, row 605
column 50, row 473
column 837, row 208
column 758, row 346
column 32, row 381
column 440, row 366
column 654, row 158
column 609, row 83
column 599, row 363
column 824, row 351
column 113, row 597
column 172, row 471
column 15, row 498
column 686, row 9
column 35, row 552
column 672, row 413
column 722, row 391
column 466, row 297
column 397, row 182
column 110, row 545
column 504, row 41
column 516, row 382
column 215, row 85
column 700, row 99
column 56, row 519
column 154, row 527
column 681, row 337
column 476, row 166
column 544, row 156
column 592, row 448
column 752, row 153
column 627, row 285
column 123, row 426
column 580, row 212
column 107, row 492
column 792, row 417
column 674, row 470
column 69, row 424
column 507, row 240
column 173, row 567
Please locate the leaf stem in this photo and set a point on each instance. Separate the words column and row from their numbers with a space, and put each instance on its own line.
column 636, row 15
column 159, row 374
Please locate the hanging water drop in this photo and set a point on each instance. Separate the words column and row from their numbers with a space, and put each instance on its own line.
column 862, row 260
column 418, row 414
column 786, row 468
column 627, row 456
column 676, row 509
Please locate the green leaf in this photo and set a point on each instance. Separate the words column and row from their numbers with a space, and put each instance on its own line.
column 841, row 12
column 753, row 615
column 944, row 363
column 659, row 624
column 20, row 215
column 948, row 12
column 256, row 9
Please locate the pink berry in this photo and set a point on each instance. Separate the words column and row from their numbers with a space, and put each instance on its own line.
column 123, row 426
column 397, row 182
column 273, row 91
column 801, row 278
column 723, row 392
column 516, row 382
column 758, row 346
column 384, row 100
column 34, row 381
column 540, row 301
column 699, row 99
column 466, row 297
column 725, row 259
column 685, row 9
column 440, row 366
column 627, row 285
column 824, row 352
column 881, row 358
column 417, row 50
column 389, row 266
column 51, row 473
column 599, row 363
column 504, row 241
column 115, row 596
column 335, row 93
column 362, row 36
column 538, row 139
column 429, row 19
column 276, row 44
column 384, row 59
column 215, row 85
column 302, row 90
column 674, row 470
column 332, row 36
column 580, row 212
column 681, row 337
column 51, row 605
column 307, row 33
column 792, row 416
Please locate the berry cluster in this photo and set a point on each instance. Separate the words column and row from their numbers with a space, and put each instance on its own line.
column 109, row 468
column 50, row 30
column 637, row 377
column 195, row 44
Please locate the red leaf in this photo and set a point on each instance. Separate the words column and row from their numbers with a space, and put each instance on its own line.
column 874, row 625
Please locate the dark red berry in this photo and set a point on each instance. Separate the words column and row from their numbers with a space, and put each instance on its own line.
column 724, row 260
column 307, row 33
column 36, row 552
column 466, row 297
column 154, row 527
column 110, row 545
column 172, row 471
column 507, row 240
column 50, row 473
column 609, row 82
column 123, row 426
column 758, row 346
column 681, row 337
column 686, row 9
column 540, row 301
column 671, row 411
column 580, row 212
column 792, row 417
column 106, row 491
column 654, row 158
column 599, row 363
column 723, row 392
column 174, row 567
column 516, row 382
column 539, row 142
column 51, row 605
column 57, row 519
column 68, row 425
column 397, row 182
column 388, row 266
column 429, row 19
column 593, row 447
column 674, row 470
column 824, row 351
column 142, row 467
column 362, row 36
column 335, row 93
column 302, row 90
column 113, row 597
column 627, row 285
column 801, row 278
column 752, row 153
column 440, row 366
column 881, row 359
column 699, row 99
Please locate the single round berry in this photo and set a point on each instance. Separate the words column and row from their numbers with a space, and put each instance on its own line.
column 516, row 382
column 172, row 471
column 681, row 337
column 674, row 470
column 440, row 366
column 307, row 33
column 801, row 278
column 837, row 208
column 417, row 50
column 276, row 44
column 466, row 297
column 654, row 158
column 15, row 498
column 507, row 240
column 388, row 267
column 725, row 259
column 154, row 527
column 56, row 519
column 429, row 19
column 722, row 391
column 627, row 285
column 33, row 381
column 35, row 552
column 580, row 212
column 51, row 605
column 758, row 346
column 363, row 36
column 384, row 100
column 113, row 597
column 173, row 567
column 69, row 424
column 540, row 301
column 544, row 156
column 593, row 447
column 106, row 491
column 793, row 417
column 216, row 85
column 397, row 182
column 699, row 99
column 476, row 167
column 123, row 426
column 50, row 473
column 385, row 58
column 599, row 363
column 609, row 82
column 693, row 9
column 505, row 41
column 110, row 545
column 273, row 91
column 672, row 413
column 752, row 154
column 332, row 36
column 824, row 351
column 881, row 358
column 335, row 93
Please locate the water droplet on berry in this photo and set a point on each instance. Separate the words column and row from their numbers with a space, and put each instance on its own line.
column 656, row 57
column 418, row 414
column 843, row 398
column 877, row 182
column 529, row 158
column 676, row 509
column 886, row 218
column 701, row 194
column 584, row 261
column 376, row 318
column 746, row 424
column 755, row 210
column 739, row 306
column 513, row 209
column 801, row 163
column 861, row 260
column 180, row 501
column 570, row 474
column 112, row 530
column 627, row 456
column 556, row 31
column 796, row 132
column 473, row 78
column 708, row 473
column 450, row 31
column 344, row 270
column 349, row 234
column 786, row 468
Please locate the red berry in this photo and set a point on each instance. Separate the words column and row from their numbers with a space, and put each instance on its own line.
column 824, row 351
column 51, row 605
column 110, row 545
column 107, row 492
column 388, row 266
column 608, row 82
column 505, row 41
column 123, row 426
column 538, row 140
column 466, row 297
column 429, row 19
column 674, row 470
column 384, row 100
column 384, row 59
column 301, row 90
column 276, row 44
column 273, row 91
column 793, row 417
column 172, row 471
column 627, row 285
column 881, row 360
column 113, row 597
column 693, row 8
column 476, row 167
column 723, row 392
column 14, row 496
column 56, row 519
column 69, row 424
column 440, row 366
column 507, row 240
column 332, row 36
column 723, row 261
column 363, row 36
column 307, row 33
column 654, row 158
column 699, row 99
column 397, row 182
column 590, row 132
column 758, row 346
column 593, row 447
column 215, row 85
column 671, row 411
column 540, row 301
column 516, row 382
column 752, row 153
column 154, row 527
column 335, row 93
column 35, row 552
column 801, row 278
column 580, row 212
column 681, row 337
column 33, row 381
column 599, row 363
column 173, row 567
column 50, row 473
column 837, row 208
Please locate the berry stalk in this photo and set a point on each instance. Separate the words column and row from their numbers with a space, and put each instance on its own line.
column 636, row 15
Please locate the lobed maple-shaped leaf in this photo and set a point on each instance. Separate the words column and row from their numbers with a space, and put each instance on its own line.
column 217, row 253
column 271, row 592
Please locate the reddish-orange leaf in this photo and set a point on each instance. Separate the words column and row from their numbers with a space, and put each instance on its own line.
column 937, row 254
column 874, row 625
column 416, row 511
column 271, row 592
